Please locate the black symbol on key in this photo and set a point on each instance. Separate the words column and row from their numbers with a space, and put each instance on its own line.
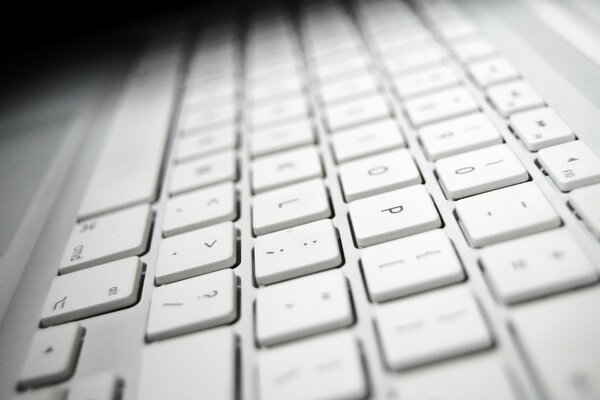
column 283, row 203
column 49, row 350
column 211, row 244
column 212, row 294
column 60, row 304
column 113, row 291
column 393, row 210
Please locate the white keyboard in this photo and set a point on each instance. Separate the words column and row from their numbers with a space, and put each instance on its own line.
column 354, row 203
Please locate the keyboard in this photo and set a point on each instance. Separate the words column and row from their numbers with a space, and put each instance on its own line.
column 327, row 200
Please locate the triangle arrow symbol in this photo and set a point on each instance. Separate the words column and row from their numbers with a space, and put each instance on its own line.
column 212, row 244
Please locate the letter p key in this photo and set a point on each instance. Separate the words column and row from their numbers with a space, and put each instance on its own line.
column 393, row 210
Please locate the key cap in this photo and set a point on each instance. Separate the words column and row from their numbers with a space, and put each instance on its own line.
column 107, row 238
column 281, row 137
column 392, row 215
column 356, row 112
column 52, row 355
column 440, row 105
column 431, row 327
column 275, row 91
column 506, row 214
column 200, row 208
column 570, row 165
column 473, row 50
column 410, row 265
column 512, row 97
column 585, row 202
column 197, row 252
column 378, row 174
column 285, row 168
column 302, row 307
column 290, row 206
column 295, row 252
column 425, row 81
column 104, row 386
column 540, row 128
column 204, row 172
column 456, row 31
column 203, row 363
column 93, row 291
column 492, row 71
column 207, row 118
column 205, row 143
column 458, row 135
column 480, row 171
column 331, row 72
column 345, row 90
column 536, row 266
column 278, row 113
column 401, row 64
column 366, row 140
column 326, row 367
column 193, row 304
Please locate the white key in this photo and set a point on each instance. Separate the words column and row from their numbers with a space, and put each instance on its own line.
column 326, row 367
column 356, row 112
column 425, row 81
column 391, row 215
column 458, row 135
column 512, row 97
column 366, row 140
column 275, row 91
column 480, row 171
column 204, row 172
column 431, row 327
column 295, row 252
column 473, row 50
column 378, row 174
column 205, row 143
column 341, row 70
column 302, row 307
column 406, row 62
column 206, row 118
column 284, row 168
column 570, row 165
column 410, row 265
column 536, row 266
column 281, row 137
column 343, row 90
column 193, row 304
column 202, row 364
column 93, row 291
column 457, row 31
column 107, row 238
column 102, row 386
column 506, row 214
column 195, row 253
column 585, row 202
column 492, row 71
column 200, row 208
column 52, row 355
column 290, row 206
column 440, row 105
column 540, row 128
column 278, row 113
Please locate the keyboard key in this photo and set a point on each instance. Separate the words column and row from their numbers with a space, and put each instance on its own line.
column 512, row 97
column 281, row 137
column 570, row 165
column 278, row 113
column 473, row 50
column 345, row 90
column 195, row 253
column 203, row 363
column 295, row 252
column 205, row 143
column 540, row 128
column 410, row 265
column 107, row 238
column 480, row 171
column 207, row 118
column 326, row 367
column 200, row 208
column 276, row 91
column 292, row 166
column 431, row 327
column 52, row 355
column 585, row 202
column 204, row 172
column 93, row 291
column 378, row 174
column 367, row 140
column 193, row 304
column 356, row 112
column 104, row 386
column 440, row 105
column 506, row 214
column 492, row 71
column 407, row 62
column 290, row 206
column 458, row 135
column 425, row 81
column 331, row 72
column 536, row 266
column 302, row 307
column 392, row 215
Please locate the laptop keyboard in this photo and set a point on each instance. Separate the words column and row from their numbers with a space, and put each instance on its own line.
column 332, row 166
